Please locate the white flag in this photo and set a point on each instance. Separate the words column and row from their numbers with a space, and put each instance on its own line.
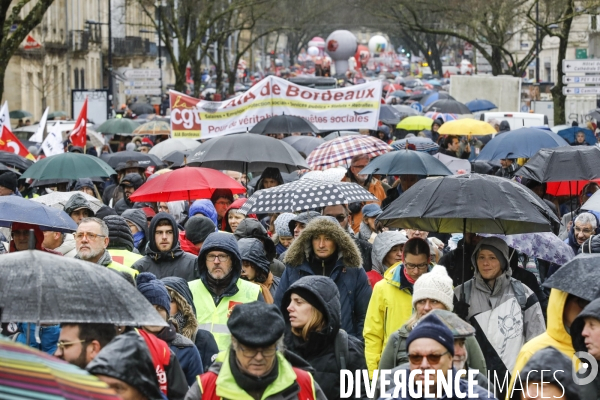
column 38, row 136
column 5, row 117
column 53, row 144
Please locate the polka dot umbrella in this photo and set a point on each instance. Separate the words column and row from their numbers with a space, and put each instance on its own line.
column 305, row 194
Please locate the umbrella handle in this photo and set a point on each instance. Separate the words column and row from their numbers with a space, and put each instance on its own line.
column 31, row 240
column 464, row 256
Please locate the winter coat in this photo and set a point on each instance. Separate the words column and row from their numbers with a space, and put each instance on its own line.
column 48, row 336
column 124, row 257
column 366, row 251
column 119, row 234
column 478, row 391
column 490, row 308
column 252, row 228
column 112, row 193
column 186, row 245
column 395, row 352
column 203, row 339
column 77, row 201
column 174, row 262
column 124, row 205
column 126, row 353
column 206, row 208
column 138, row 217
column 463, row 156
column 319, row 349
column 390, row 307
column 350, row 278
column 592, row 310
column 107, row 261
column 453, row 261
column 186, row 352
column 177, row 210
column 68, row 247
column 285, row 387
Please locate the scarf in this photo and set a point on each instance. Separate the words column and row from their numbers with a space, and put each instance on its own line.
column 180, row 321
column 218, row 286
column 137, row 238
column 253, row 385
column 408, row 278
column 266, row 288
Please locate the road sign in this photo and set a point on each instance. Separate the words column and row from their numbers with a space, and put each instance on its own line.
column 142, row 84
column 581, row 65
column 582, row 90
column 142, row 73
column 147, row 92
column 581, row 79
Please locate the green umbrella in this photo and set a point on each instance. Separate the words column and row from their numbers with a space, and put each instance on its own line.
column 57, row 114
column 118, row 126
column 68, row 166
column 18, row 114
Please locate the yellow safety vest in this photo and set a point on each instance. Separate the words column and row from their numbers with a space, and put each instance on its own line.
column 120, row 267
column 214, row 318
column 127, row 258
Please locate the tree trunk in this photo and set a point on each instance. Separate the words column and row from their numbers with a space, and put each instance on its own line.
column 496, row 61
column 180, row 81
column 196, row 66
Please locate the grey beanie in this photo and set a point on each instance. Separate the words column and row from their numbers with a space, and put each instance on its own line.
column 198, row 228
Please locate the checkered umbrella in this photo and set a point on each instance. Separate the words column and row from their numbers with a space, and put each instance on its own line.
column 339, row 152
column 305, row 194
column 443, row 116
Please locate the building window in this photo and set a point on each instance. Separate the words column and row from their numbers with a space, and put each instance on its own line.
column 76, row 76
column 82, row 78
column 594, row 24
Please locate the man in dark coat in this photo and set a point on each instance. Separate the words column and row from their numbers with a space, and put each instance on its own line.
column 324, row 248
column 164, row 256
column 130, row 183
column 451, row 147
column 584, row 333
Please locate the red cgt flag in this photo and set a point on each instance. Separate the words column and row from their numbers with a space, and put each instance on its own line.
column 10, row 143
column 78, row 135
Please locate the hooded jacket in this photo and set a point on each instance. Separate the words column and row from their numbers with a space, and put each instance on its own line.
column 382, row 245
column 252, row 228
column 127, row 358
column 562, row 366
column 138, row 217
column 502, row 328
column 203, row 339
column 120, row 245
column 206, row 208
column 319, row 349
column 348, row 275
column 252, row 250
column 125, row 204
column 592, row 310
column 177, row 210
column 174, row 262
column 269, row 172
column 186, row 352
column 68, row 246
column 76, row 202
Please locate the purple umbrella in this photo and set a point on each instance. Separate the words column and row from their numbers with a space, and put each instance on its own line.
column 543, row 245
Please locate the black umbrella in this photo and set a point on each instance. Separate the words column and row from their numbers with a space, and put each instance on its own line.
column 579, row 277
column 595, row 114
column 144, row 160
column 448, row 107
column 44, row 288
column 287, row 178
column 406, row 162
column 284, row 124
column 469, row 203
column 178, row 157
column 304, row 144
column 247, row 153
column 139, row 108
column 405, row 111
column 569, row 163
column 14, row 160
column 432, row 96
column 389, row 115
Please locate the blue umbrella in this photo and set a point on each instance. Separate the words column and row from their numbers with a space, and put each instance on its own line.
column 480, row 105
column 406, row 162
column 435, row 96
column 569, row 135
column 18, row 209
column 421, row 144
column 522, row 142
column 434, row 82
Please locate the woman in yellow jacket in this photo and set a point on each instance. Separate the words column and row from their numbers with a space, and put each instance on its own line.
column 391, row 303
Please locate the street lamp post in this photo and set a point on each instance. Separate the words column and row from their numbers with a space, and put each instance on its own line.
column 110, row 65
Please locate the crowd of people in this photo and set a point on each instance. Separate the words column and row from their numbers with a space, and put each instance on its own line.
column 276, row 306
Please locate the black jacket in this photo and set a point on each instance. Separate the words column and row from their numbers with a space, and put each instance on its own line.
column 550, row 359
column 251, row 228
column 464, row 155
column 453, row 261
column 119, row 233
column 319, row 350
column 174, row 262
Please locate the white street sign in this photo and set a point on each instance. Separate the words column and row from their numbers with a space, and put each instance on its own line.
column 142, row 73
column 582, row 90
column 581, row 65
column 152, row 83
column 581, row 79
column 147, row 92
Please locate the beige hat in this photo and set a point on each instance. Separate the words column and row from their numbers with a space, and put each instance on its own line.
column 435, row 285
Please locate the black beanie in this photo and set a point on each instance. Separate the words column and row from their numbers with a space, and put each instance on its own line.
column 9, row 180
column 312, row 299
column 198, row 228
column 105, row 211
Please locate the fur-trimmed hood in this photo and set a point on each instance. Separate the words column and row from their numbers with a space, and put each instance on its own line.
column 300, row 250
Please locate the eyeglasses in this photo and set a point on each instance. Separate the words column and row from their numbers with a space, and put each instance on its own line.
column 415, row 266
column 584, row 231
column 90, row 236
column 432, row 358
column 221, row 257
column 251, row 353
column 66, row 345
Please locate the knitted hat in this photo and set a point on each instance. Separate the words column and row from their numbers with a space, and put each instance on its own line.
column 282, row 224
column 136, row 217
column 256, row 324
column 154, row 290
column 9, row 180
column 147, row 142
column 431, row 327
column 105, row 211
column 198, row 228
column 119, row 234
column 130, row 146
column 435, row 285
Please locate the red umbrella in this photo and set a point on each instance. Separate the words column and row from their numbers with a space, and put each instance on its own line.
column 567, row 188
column 188, row 183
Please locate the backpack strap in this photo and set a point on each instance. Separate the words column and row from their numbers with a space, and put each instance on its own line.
column 342, row 353
column 208, row 385
column 306, row 383
column 520, row 292
column 468, row 284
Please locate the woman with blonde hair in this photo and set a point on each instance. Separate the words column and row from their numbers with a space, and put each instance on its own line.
column 311, row 308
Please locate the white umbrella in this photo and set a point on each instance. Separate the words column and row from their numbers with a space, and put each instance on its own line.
column 170, row 145
column 59, row 199
column 329, row 175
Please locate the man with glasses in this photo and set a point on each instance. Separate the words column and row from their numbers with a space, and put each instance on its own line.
column 569, row 216
column 391, row 303
column 78, row 344
column 585, row 226
column 254, row 365
column 91, row 242
column 164, row 255
column 220, row 288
